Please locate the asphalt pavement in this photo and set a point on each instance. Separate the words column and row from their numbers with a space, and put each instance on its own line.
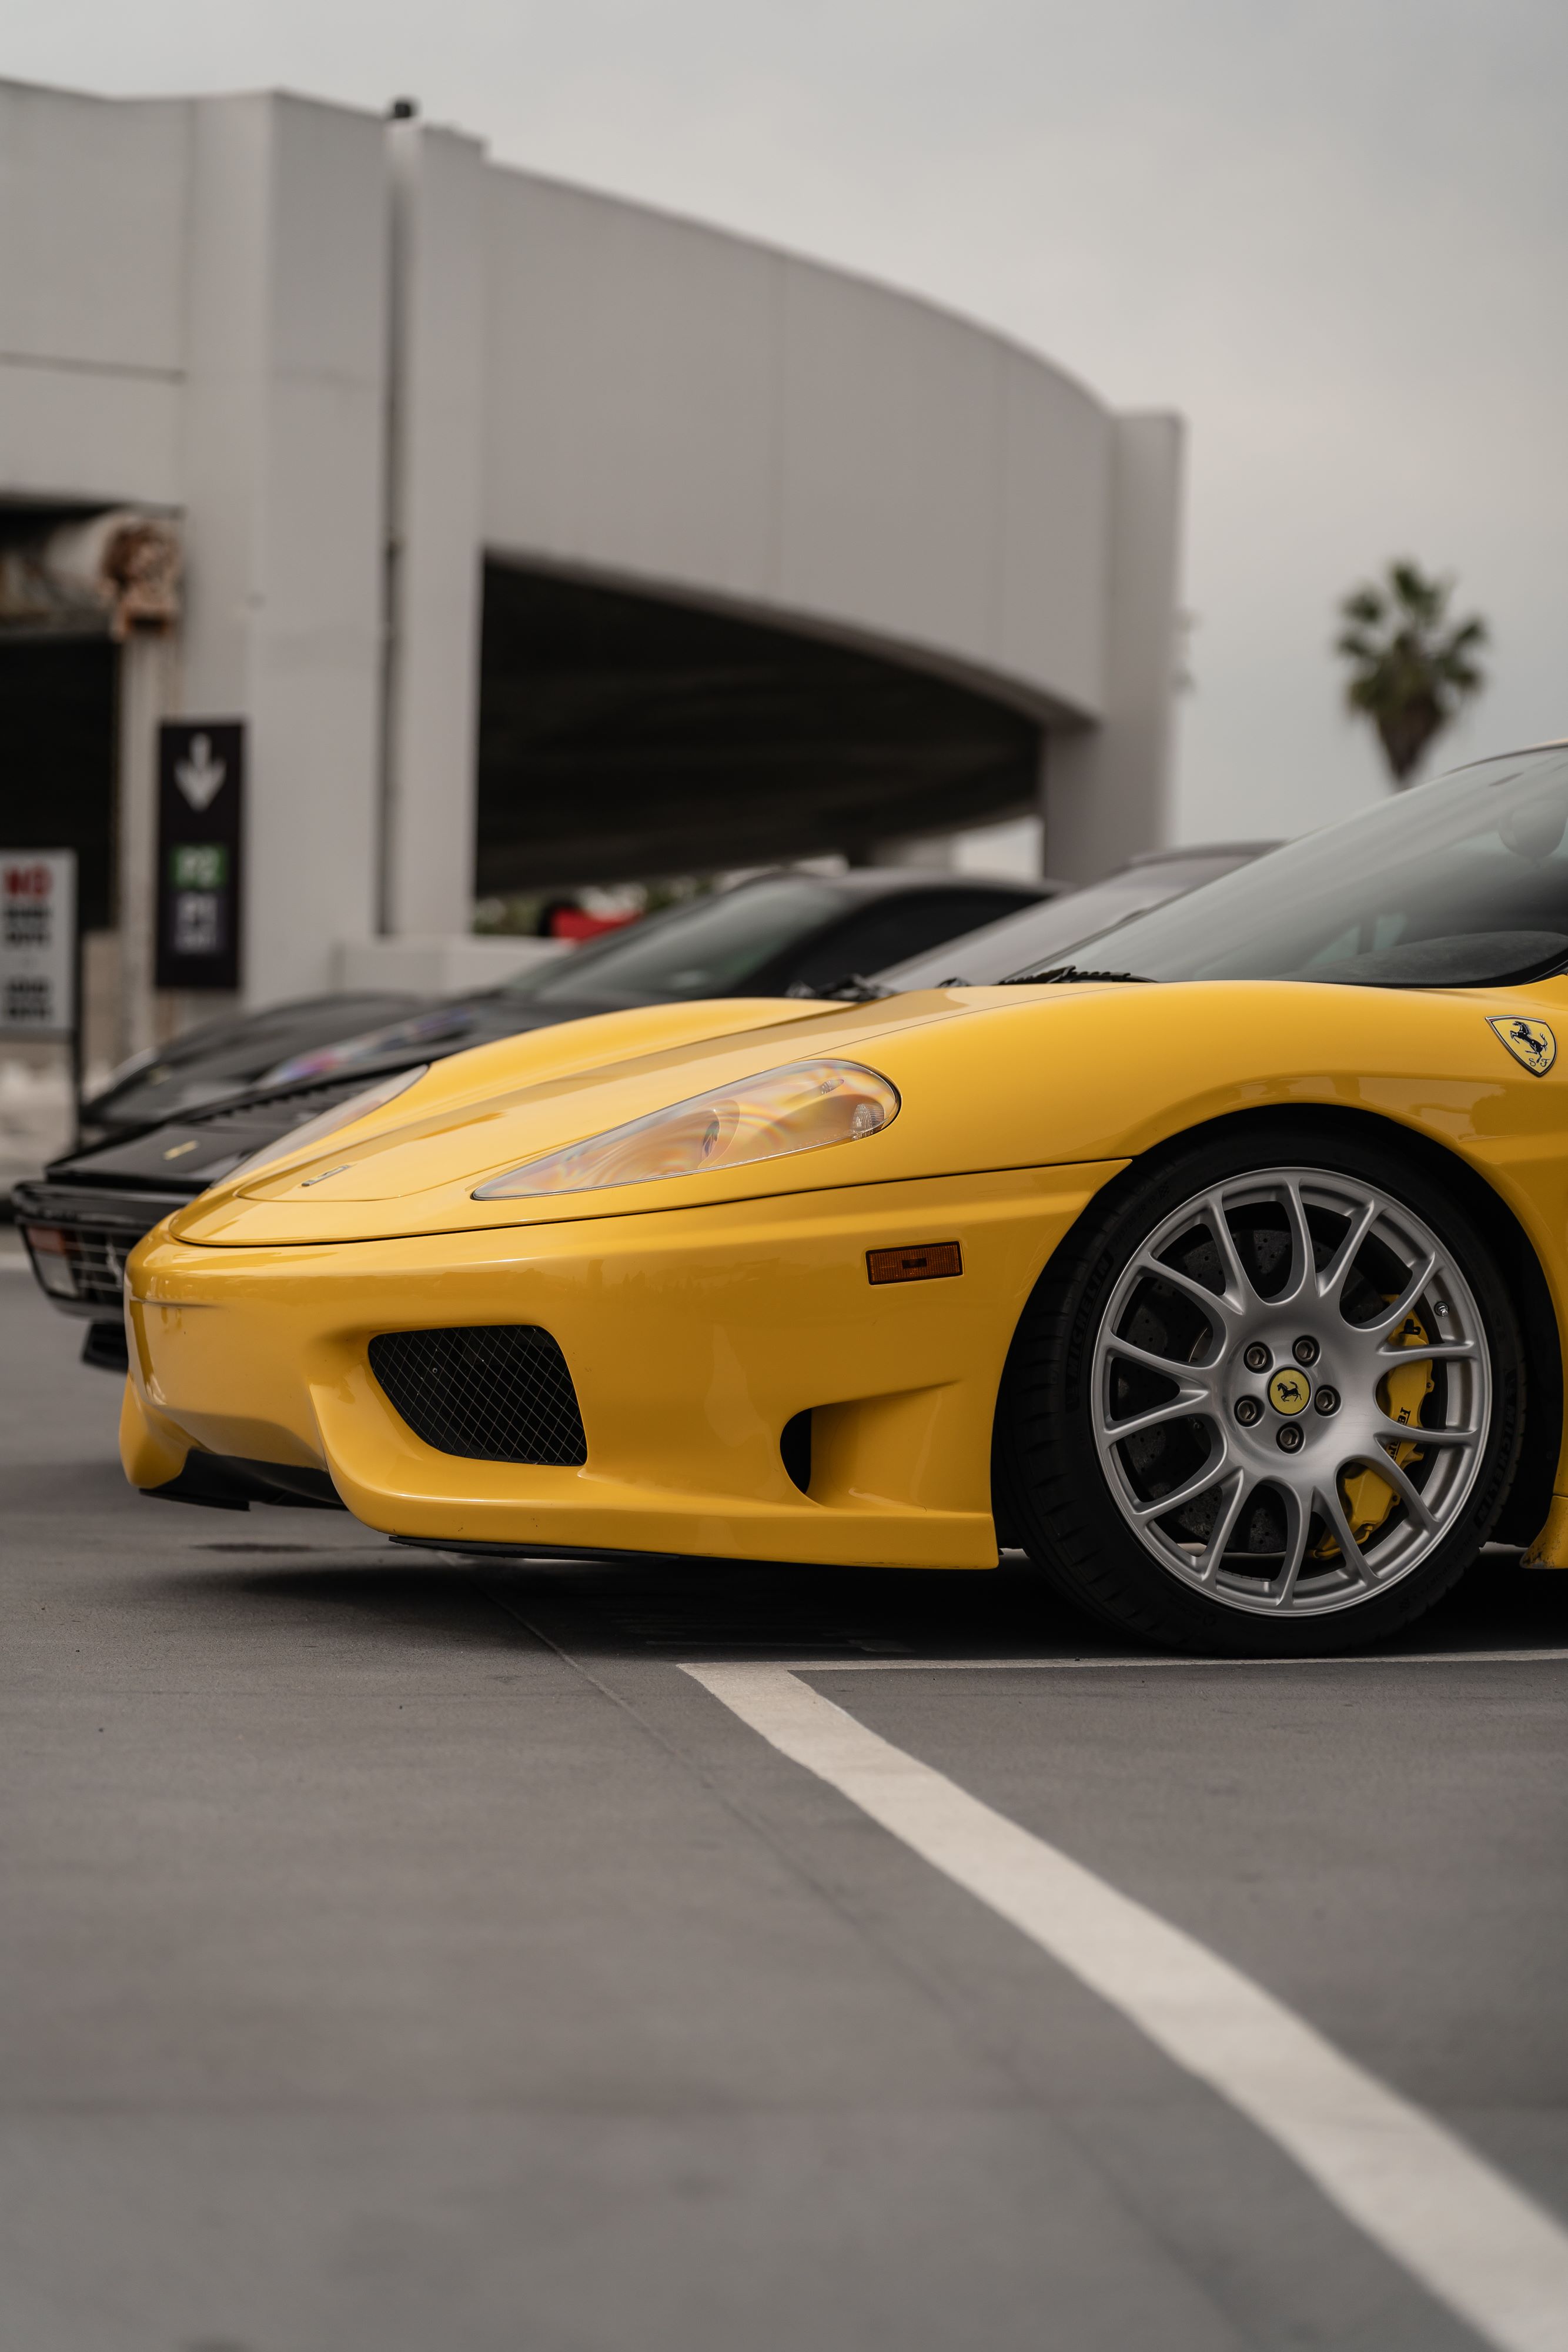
column 400, row 1956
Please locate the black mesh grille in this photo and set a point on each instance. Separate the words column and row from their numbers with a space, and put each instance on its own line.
column 496, row 1392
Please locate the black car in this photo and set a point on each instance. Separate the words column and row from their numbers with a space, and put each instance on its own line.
column 779, row 932
column 219, row 1058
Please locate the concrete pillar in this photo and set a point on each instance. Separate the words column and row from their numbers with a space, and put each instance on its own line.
column 147, row 668
column 433, row 546
column 1107, row 789
column 121, row 569
column 284, row 446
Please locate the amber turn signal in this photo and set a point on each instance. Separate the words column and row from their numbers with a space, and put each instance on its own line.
column 921, row 1262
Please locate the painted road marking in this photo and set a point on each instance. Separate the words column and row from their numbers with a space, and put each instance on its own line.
column 1468, row 2235
column 1069, row 1665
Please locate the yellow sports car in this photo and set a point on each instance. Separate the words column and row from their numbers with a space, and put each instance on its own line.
column 1227, row 1274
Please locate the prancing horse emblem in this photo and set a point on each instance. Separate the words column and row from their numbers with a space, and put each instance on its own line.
column 1530, row 1042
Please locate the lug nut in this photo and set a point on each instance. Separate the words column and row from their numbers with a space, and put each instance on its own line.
column 1327, row 1400
column 1305, row 1350
column 1248, row 1410
column 1257, row 1357
column 1289, row 1438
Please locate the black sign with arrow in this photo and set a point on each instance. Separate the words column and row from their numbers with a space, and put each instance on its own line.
column 201, row 796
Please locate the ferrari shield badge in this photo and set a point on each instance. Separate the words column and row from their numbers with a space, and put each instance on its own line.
column 1530, row 1042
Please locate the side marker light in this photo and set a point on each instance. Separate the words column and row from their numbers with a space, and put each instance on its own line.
column 921, row 1262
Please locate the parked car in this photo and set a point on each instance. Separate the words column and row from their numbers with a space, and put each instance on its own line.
column 1033, row 935
column 218, row 1059
column 1223, row 1271
column 178, row 1123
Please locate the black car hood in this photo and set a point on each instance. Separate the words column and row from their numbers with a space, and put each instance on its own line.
column 221, row 1059
column 448, row 1025
column 182, row 1156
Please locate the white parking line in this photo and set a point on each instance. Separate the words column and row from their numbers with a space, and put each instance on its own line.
column 1467, row 2234
column 1069, row 1665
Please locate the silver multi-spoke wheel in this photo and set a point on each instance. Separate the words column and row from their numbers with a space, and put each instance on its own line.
column 1291, row 1392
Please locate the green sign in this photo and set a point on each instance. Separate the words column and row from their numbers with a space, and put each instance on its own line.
column 199, row 866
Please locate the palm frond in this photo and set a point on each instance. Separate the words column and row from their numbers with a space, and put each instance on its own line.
column 1422, row 598
column 1473, row 632
column 1364, row 605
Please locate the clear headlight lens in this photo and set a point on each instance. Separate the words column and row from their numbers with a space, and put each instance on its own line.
column 325, row 1123
column 797, row 1108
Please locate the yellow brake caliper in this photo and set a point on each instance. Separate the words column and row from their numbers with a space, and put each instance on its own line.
column 1369, row 1498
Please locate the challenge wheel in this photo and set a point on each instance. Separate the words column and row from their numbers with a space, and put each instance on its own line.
column 1269, row 1403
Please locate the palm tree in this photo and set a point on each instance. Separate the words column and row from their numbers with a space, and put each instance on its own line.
column 1411, row 668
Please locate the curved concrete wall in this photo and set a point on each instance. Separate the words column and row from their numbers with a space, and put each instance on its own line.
column 675, row 406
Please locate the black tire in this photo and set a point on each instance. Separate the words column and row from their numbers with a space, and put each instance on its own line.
column 1052, row 1491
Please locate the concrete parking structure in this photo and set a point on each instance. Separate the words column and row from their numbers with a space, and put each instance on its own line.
column 508, row 509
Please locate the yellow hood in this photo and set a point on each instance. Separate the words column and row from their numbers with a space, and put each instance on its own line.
column 990, row 1078
column 411, row 1166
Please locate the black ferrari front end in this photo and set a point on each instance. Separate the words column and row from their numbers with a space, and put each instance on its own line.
column 82, row 1218
column 78, row 1238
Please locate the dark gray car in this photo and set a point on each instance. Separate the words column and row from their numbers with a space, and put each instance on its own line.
column 1030, row 938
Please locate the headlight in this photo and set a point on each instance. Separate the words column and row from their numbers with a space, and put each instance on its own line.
column 792, row 1109
column 52, row 1259
column 325, row 1123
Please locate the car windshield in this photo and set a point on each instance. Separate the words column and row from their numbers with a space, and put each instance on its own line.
column 1045, row 934
column 1461, row 883
column 706, row 950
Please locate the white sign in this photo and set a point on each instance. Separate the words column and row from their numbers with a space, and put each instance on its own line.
column 37, row 942
column 201, row 777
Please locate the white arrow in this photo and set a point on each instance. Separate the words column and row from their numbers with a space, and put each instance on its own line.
column 201, row 777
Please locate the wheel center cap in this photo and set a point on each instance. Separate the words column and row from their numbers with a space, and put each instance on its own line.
column 1289, row 1392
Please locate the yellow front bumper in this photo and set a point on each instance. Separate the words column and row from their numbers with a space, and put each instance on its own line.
column 692, row 1336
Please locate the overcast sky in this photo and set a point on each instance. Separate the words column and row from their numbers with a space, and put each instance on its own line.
column 1332, row 232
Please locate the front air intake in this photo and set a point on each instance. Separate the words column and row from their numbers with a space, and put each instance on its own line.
column 494, row 1392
